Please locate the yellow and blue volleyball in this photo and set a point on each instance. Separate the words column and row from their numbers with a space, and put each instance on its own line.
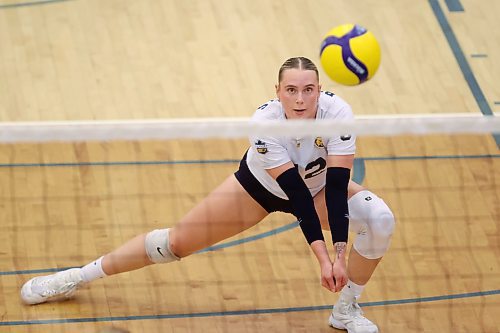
column 350, row 54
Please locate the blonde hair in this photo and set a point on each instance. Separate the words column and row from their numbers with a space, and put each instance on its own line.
column 298, row 63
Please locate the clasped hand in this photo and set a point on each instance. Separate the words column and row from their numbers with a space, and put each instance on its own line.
column 334, row 275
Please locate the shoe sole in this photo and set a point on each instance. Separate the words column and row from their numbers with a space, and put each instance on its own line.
column 337, row 324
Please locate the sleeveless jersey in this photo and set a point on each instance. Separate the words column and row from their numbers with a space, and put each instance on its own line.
column 307, row 153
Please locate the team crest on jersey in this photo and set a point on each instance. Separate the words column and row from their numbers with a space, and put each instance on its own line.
column 261, row 147
column 318, row 142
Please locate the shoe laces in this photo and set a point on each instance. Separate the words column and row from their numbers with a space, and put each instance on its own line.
column 356, row 313
column 66, row 289
column 56, row 285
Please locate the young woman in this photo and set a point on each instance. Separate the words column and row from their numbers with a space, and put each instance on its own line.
column 308, row 177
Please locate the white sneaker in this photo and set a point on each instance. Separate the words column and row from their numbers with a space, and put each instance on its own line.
column 58, row 286
column 347, row 315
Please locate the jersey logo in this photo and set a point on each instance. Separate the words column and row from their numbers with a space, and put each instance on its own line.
column 263, row 106
column 345, row 137
column 318, row 142
column 261, row 147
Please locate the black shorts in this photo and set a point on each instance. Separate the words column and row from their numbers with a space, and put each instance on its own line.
column 258, row 192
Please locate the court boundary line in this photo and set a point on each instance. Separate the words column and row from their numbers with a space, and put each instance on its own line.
column 360, row 174
column 212, row 248
column 247, row 312
column 233, row 243
column 30, row 3
column 454, row 5
column 463, row 64
column 224, row 161
column 477, row 96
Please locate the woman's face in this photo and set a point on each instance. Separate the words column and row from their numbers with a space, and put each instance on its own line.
column 298, row 92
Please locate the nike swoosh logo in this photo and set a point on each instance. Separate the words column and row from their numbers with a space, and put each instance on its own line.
column 158, row 249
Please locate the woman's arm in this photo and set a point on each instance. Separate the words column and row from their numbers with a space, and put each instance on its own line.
column 337, row 179
column 302, row 203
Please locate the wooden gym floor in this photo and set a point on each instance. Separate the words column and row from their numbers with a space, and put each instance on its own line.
column 64, row 204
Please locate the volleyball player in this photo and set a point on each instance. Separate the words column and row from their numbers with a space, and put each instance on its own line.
column 308, row 177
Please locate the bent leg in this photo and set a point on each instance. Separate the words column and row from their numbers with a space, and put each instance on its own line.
column 372, row 221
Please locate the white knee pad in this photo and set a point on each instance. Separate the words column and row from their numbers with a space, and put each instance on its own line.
column 157, row 246
column 373, row 222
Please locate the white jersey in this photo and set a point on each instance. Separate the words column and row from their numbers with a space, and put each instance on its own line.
column 307, row 153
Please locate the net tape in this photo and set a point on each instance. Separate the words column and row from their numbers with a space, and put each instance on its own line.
column 164, row 129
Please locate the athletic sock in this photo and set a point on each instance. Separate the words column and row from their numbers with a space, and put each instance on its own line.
column 93, row 271
column 352, row 289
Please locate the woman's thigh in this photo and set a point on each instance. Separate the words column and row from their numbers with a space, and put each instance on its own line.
column 225, row 212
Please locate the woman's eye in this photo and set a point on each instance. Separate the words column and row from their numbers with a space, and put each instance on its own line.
column 291, row 90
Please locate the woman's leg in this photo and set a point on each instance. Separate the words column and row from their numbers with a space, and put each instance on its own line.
column 372, row 220
column 361, row 267
column 225, row 212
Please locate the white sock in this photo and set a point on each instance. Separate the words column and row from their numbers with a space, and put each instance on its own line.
column 352, row 289
column 93, row 271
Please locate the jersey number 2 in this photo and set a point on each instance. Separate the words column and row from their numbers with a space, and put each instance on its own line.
column 316, row 167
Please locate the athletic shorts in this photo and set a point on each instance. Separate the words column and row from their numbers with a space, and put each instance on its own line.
column 258, row 192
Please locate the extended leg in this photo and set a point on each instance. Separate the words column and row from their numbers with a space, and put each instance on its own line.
column 226, row 211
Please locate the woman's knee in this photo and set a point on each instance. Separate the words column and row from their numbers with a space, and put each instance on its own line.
column 158, row 246
column 375, row 223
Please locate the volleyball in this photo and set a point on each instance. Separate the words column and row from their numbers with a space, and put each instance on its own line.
column 350, row 54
